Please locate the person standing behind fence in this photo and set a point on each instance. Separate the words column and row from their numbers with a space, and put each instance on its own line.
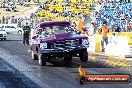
column 103, row 31
column 26, row 30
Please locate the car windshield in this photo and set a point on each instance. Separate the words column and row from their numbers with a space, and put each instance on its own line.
column 48, row 31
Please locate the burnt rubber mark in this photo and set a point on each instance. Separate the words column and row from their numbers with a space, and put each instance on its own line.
column 12, row 78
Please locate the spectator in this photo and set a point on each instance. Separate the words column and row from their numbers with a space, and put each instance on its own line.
column 91, row 30
column 26, row 30
column 117, row 29
column 129, row 27
column 3, row 19
column 113, row 25
column 13, row 19
column 103, row 30
column 74, row 25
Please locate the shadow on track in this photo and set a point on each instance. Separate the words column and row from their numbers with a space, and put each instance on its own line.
column 75, row 63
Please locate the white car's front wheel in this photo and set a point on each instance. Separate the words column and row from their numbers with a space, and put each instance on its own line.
column 5, row 39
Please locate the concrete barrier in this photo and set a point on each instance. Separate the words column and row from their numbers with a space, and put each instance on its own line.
column 117, row 46
column 94, row 44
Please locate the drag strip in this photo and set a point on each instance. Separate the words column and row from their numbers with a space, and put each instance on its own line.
column 17, row 55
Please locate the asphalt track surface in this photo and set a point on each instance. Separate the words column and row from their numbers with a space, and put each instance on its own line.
column 18, row 70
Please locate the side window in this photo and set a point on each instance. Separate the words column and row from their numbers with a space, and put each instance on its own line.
column 13, row 27
column 1, row 26
column 10, row 27
column 6, row 27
